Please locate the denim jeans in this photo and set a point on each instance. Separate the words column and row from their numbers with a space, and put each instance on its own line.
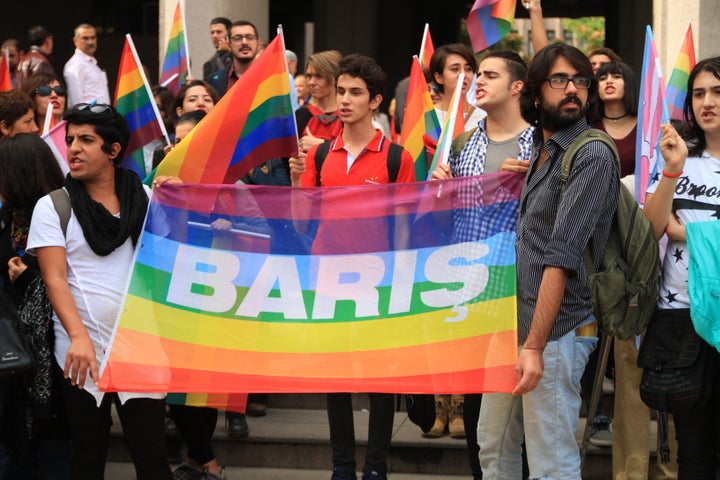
column 547, row 417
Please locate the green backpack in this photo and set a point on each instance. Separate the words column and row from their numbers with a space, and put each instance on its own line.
column 625, row 289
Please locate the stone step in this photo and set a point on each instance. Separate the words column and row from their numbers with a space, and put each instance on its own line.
column 297, row 439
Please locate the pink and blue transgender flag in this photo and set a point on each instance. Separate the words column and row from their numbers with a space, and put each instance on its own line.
column 677, row 84
column 489, row 21
column 176, row 66
column 652, row 112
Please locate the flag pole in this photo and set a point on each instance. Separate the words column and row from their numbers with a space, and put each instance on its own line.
column 148, row 89
column 187, row 45
column 424, row 39
column 287, row 71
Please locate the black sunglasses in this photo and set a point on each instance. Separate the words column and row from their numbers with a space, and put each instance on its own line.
column 45, row 90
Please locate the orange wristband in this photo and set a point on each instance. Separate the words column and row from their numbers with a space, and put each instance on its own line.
column 668, row 175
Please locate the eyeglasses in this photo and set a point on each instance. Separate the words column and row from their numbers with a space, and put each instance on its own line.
column 93, row 107
column 434, row 88
column 239, row 38
column 45, row 90
column 562, row 82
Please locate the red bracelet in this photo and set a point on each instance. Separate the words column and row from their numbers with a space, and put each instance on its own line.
column 668, row 175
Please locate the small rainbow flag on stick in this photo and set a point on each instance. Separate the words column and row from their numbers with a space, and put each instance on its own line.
column 489, row 21
column 176, row 66
column 252, row 123
column 134, row 100
column 426, row 47
column 420, row 119
column 339, row 312
column 677, row 84
column 451, row 128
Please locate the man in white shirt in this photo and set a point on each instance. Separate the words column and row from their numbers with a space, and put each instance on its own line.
column 84, row 79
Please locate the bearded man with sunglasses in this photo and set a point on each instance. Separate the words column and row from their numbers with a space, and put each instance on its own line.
column 556, row 326
column 85, row 268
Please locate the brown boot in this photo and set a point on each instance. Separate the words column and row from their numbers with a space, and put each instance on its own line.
column 442, row 410
column 457, row 427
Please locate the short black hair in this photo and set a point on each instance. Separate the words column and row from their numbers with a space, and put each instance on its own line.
column 243, row 23
column 109, row 125
column 630, row 101
column 515, row 64
column 225, row 21
column 193, row 117
column 180, row 98
column 439, row 58
column 37, row 35
column 364, row 67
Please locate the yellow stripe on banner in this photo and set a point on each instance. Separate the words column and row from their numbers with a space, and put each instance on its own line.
column 297, row 337
column 129, row 82
column 273, row 86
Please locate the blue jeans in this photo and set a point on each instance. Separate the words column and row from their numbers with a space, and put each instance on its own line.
column 547, row 417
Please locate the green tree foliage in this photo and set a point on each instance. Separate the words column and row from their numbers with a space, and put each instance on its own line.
column 588, row 32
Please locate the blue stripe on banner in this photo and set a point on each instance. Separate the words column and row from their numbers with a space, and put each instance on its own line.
column 162, row 254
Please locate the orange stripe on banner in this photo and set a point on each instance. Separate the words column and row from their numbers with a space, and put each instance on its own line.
column 139, row 378
column 435, row 358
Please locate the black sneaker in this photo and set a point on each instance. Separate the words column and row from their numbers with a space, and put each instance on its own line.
column 237, row 427
column 601, row 435
column 340, row 473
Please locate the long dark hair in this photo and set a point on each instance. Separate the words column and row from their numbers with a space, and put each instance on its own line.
column 695, row 134
column 538, row 72
column 28, row 171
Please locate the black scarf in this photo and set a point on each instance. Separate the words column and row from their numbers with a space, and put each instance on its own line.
column 103, row 231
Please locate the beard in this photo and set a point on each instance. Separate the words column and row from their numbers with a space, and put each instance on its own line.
column 554, row 118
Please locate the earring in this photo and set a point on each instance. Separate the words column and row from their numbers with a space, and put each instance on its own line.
column 537, row 104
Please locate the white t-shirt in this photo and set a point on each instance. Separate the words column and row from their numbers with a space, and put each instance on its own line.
column 97, row 284
column 697, row 199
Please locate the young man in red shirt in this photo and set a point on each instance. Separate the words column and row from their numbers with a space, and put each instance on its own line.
column 358, row 156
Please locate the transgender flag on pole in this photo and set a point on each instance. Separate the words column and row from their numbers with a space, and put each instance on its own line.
column 652, row 112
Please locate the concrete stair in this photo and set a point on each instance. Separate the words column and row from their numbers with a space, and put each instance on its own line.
column 293, row 439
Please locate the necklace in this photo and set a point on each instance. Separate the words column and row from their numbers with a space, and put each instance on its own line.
column 615, row 119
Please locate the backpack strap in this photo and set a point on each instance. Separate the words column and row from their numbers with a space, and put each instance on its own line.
column 61, row 202
column 393, row 162
column 459, row 142
column 568, row 158
column 320, row 155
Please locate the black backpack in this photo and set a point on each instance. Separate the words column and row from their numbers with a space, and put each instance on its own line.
column 393, row 160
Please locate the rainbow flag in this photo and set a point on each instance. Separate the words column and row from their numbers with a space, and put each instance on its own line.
column 176, row 66
column 252, row 123
column 426, row 48
column 489, row 21
column 270, row 306
column 234, row 402
column 134, row 101
column 420, row 119
column 451, row 128
column 5, row 77
column 55, row 138
column 652, row 112
column 677, row 85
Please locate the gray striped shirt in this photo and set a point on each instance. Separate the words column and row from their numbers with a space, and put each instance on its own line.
column 553, row 234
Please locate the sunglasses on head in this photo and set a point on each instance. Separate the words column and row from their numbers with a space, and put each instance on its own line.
column 45, row 90
column 93, row 107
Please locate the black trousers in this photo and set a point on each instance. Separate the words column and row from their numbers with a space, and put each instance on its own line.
column 196, row 426
column 342, row 431
column 143, row 424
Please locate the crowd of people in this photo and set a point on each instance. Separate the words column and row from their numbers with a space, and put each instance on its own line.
column 522, row 119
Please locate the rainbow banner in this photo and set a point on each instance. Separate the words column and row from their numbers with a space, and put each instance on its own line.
column 134, row 101
column 241, row 288
column 677, row 84
column 252, row 123
column 420, row 120
column 176, row 66
column 426, row 48
column 652, row 112
column 5, row 77
column 489, row 21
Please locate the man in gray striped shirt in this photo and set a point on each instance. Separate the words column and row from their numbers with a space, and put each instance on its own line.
column 556, row 326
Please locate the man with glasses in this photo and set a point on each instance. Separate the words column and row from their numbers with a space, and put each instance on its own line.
column 85, row 80
column 556, row 326
column 244, row 42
